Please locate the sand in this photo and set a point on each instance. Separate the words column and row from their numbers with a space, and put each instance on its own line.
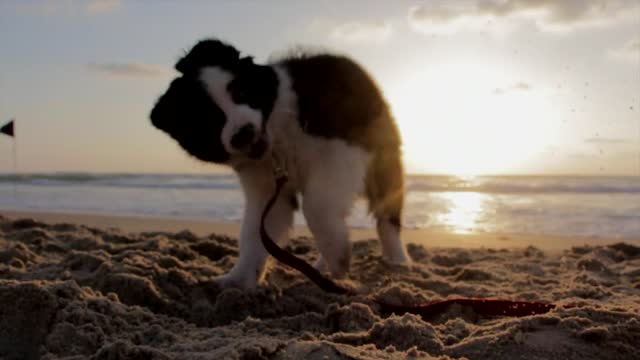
column 201, row 227
column 72, row 291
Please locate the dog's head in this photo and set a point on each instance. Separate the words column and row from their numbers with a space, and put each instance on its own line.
column 218, row 108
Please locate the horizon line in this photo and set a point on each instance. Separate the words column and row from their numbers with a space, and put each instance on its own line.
column 229, row 172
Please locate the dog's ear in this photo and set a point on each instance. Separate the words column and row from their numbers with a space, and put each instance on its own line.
column 246, row 62
column 209, row 52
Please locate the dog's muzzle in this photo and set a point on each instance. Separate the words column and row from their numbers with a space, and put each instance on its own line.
column 258, row 148
column 250, row 141
column 243, row 137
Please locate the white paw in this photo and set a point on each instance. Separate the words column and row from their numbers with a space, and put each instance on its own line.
column 239, row 279
column 400, row 259
column 339, row 266
column 321, row 265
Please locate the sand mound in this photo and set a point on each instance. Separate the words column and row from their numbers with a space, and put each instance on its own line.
column 75, row 292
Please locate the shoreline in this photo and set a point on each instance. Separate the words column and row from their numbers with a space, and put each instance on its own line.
column 425, row 237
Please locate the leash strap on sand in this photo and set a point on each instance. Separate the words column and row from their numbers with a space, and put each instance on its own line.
column 486, row 307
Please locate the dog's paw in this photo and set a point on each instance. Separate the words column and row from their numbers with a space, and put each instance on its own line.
column 321, row 265
column 339, row 267
column 400, row 261
column 238, row 280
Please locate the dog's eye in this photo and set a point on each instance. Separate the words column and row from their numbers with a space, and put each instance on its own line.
column 240, row 96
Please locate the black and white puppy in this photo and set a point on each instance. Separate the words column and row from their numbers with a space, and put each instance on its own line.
column 320, row 116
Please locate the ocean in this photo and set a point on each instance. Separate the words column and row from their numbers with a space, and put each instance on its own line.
column 607, row 207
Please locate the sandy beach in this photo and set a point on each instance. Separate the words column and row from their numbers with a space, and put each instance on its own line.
column 79, row 286
column 428, row 238
column 502, row 136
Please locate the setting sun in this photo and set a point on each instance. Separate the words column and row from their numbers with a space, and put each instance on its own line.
column 470, row 119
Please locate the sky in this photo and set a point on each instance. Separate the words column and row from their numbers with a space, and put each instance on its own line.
column 476, row 86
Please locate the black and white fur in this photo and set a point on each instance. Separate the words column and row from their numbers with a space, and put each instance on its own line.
column 320, row 116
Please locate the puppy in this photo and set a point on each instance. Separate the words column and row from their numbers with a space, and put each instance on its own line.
column 321, row 117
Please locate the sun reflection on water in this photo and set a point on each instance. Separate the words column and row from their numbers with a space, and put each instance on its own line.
column 464, row 213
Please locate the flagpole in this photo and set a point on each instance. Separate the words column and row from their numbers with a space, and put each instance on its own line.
column 15, row 167
column 9, row 129
column 15, row 157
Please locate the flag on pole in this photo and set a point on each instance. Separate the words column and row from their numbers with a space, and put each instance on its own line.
column 7, row 129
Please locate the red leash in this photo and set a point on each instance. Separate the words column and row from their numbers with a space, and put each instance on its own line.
column 486, row 307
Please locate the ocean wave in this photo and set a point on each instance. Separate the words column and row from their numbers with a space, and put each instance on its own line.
column 415, row 183
column 520, row 185
column 146, row 181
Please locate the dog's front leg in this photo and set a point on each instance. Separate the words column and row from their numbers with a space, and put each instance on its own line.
column 325, row 214
column 258, row 188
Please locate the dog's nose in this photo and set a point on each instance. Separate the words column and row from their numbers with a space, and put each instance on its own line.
column 244, row 136
column 157, row 115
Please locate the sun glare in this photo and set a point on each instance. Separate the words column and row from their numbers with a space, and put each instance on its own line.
column 468, row 119
column 464, row 211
